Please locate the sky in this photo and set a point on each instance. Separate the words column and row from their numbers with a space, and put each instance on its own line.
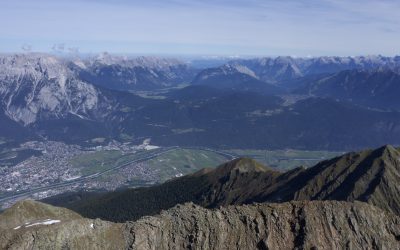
column 202, row 27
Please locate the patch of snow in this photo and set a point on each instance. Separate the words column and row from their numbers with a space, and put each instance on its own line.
column 45, row 222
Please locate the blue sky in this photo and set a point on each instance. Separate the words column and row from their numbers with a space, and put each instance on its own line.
column 202, row 27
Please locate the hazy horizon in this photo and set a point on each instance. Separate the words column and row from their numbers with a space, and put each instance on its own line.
column 68, row 54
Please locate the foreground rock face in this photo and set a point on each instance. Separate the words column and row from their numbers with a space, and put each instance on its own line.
column 301, row 225
column 308, row 225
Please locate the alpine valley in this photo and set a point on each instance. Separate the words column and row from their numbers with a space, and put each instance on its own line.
column 332, row 103
column 122, row 152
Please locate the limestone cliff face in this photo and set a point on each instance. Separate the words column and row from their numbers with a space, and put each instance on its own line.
column 291, row 225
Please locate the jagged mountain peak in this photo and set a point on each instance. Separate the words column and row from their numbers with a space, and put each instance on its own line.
column 152, row 62
column 135, row 73
column 237, row 77
column 225, row 70
column 34, row 64
column 389, row 150
column 34, row 86
column 284, row 68
column 285, row 60
column 369, row 175
column 237, row 68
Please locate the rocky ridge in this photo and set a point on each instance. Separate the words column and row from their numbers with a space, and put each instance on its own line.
column 291, row 225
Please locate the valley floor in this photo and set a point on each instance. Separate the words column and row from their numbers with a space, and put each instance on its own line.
column 40, row 169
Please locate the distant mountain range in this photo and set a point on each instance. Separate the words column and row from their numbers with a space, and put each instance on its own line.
column 270, row 102
column 278, row 69
column 367, row 81
column 142, row 73
column 377, row 88
column 235, row 77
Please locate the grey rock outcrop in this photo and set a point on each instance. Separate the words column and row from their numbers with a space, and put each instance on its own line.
column 294, row 225
column 291, row 225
